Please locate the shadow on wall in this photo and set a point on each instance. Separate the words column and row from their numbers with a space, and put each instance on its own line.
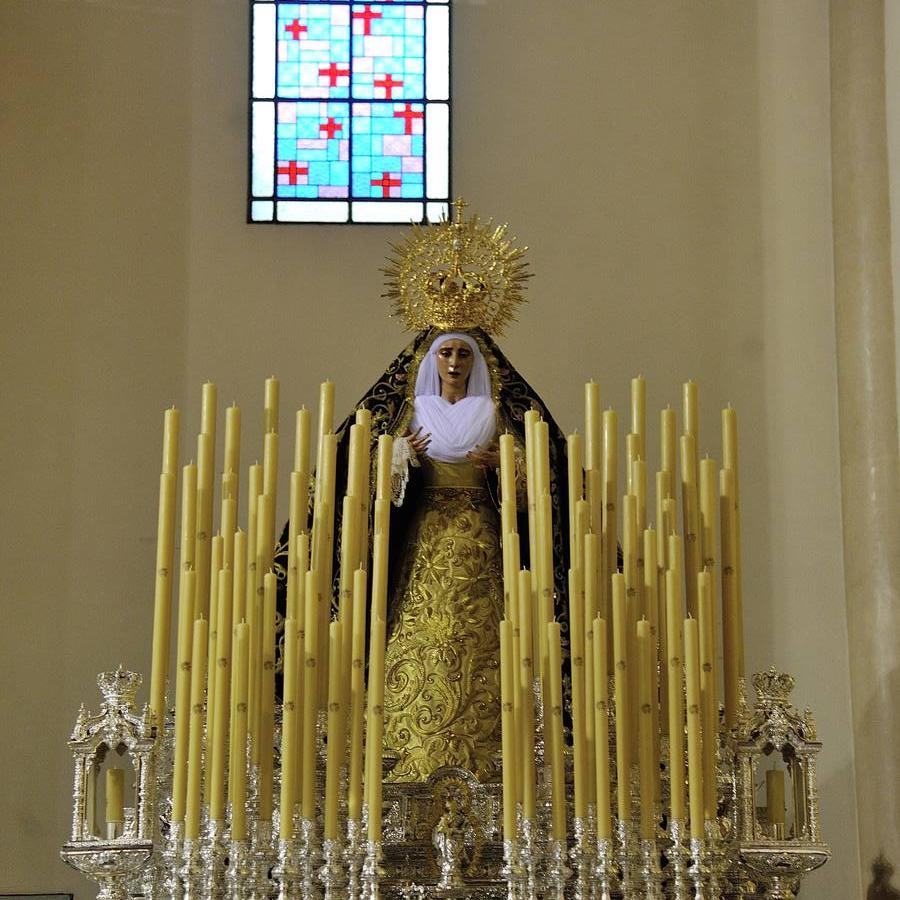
column 881, row 887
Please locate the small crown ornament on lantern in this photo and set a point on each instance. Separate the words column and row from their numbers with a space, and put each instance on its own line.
column 119, row 688
column 773, row 686
column 457, row 274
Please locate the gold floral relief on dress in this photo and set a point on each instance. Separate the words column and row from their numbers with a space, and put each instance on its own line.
column 442, row 686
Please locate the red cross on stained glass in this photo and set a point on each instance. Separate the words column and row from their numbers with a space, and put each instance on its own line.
column 389, row 84
column 367, row 16
column 295, row 29
column 409, row 115
column 330, row 128
column 332, row 72
column 386, row 182
column 293, row 170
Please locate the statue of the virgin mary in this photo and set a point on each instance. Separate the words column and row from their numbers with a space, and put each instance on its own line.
column 446, row 398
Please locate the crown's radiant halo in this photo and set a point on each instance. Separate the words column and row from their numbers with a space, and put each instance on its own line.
column 459, row 273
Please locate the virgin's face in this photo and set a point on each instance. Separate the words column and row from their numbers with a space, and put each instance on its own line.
column 454, row 363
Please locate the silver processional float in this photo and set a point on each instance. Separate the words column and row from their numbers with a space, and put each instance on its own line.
column 622, row 773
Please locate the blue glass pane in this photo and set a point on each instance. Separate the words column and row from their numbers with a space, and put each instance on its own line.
column 388, row 51
column 313, row 50
column 388, row 150
column 313, row 149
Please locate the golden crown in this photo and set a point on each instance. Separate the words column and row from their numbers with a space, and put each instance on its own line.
column 456, row 274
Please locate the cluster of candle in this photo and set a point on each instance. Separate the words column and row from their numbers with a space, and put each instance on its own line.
column 645, row 630
column 225, row 695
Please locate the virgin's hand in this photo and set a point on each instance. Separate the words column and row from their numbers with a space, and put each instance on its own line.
column 418, row 441
column 485, row 457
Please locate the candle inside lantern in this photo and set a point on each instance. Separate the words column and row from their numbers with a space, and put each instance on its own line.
column 115, row 790
column 775, row 796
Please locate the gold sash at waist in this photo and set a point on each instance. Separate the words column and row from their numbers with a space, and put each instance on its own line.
column 452, row 475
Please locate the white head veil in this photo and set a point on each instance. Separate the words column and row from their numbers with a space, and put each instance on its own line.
column 428, row 381
column 455, row 428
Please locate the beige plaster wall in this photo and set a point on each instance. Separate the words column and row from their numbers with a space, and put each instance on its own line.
column 94, row 130
column 892, row 98
column 666, row 162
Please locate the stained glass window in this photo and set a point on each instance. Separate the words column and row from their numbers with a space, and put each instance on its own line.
column 349, row 111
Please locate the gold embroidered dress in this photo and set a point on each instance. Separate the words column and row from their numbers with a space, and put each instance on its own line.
column 442, row 690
